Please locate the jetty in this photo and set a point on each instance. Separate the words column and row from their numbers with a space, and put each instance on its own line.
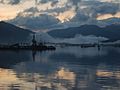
column 34, row 46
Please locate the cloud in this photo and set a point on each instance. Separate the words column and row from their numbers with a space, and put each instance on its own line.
column 61, row 11
column 107, row 8
column 88, row 11
column 111, row 1
column 80, row 17
column 75, row 2
column 108, row 16
column 66, row 15
column 32, row 10
column 13, row 2
column 8, row 11
column 43, row 21
column 46, row 1
column 96, row 7
column 54, row 16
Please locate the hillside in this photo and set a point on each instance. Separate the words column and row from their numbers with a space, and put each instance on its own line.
column 112, row 31
column 10, row 33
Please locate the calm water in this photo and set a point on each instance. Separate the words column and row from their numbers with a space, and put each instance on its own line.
column 69, row 68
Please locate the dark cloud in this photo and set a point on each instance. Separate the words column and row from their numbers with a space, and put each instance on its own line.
column 107, row 8
column 53, row 2
column 58, row 10
column 86, row 12
column 1, row 1
column 80, row 17
column 43, row 1
column 46, row 1
column 13, row 2
column 35, row 23
column 92, row 9
column 32, row 10
column 75, row 2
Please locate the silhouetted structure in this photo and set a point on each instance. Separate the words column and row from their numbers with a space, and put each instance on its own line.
column 34, row 42
column 35, row 46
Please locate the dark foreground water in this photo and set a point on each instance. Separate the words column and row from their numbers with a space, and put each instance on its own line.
column 69, row 68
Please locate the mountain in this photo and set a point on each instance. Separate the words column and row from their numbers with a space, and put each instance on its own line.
column 112, row 32
column 11, row 34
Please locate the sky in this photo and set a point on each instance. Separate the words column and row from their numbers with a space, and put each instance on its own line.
column 50, row 14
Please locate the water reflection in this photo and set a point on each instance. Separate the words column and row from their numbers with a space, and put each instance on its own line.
column 10, row 81
column 108, row 77
column 9, row 58
column 63, row 69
